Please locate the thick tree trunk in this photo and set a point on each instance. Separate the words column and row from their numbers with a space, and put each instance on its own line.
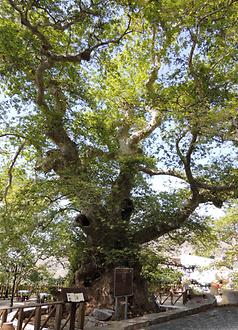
column 109, row 245
column 101, row 293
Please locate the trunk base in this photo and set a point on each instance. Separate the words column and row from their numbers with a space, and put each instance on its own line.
column 100, row 294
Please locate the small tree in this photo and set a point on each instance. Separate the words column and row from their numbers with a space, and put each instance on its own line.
column 32, row 228
column 226, row 229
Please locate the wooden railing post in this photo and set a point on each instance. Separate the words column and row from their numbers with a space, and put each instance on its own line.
column 185, row 296
column 171, row 297
column 81, row 315
column 72, row 315
column 37, row 318
column 4, row 316
column 58, row 316
column 20, row 318
column 35, row 310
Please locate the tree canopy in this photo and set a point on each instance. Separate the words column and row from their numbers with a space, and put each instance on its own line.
column 101, row 96
column 32, row 230
column 226, row 230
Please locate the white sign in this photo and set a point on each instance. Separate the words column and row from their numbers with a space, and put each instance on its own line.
column 75, row 297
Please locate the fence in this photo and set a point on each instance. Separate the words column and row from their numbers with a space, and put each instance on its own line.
column 39, row 315
column 171, row 295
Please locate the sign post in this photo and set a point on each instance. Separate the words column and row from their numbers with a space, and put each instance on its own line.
column 75, row 297
column 123, row 287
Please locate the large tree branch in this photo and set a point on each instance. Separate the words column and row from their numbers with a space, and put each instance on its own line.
column 96, row 152
column 154, row 231
column 123, row 184
column 200, row 21
column 39, row 79
column 13, row 134
column 115, row 40
column 194, row 39
column 197, row 186
column 191, row 148
column 179, row 153
column 55, row 125
column 33, row 29
column 120, row 199
column 216, row 188
column 152, row 79
column 56, row 130
column 215, row 11
column 85, row 55
column 153, row 172
column 73, row 58
column 67, row 22
column 155, row 114
column 47, row 46
column 186, row 160
column 54, row 120
column 144, row 133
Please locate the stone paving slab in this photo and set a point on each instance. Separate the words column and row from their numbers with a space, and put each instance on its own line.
column 144, row 322
column 218, row 318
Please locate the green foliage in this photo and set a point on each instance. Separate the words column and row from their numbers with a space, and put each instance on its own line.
column 32, row 226
column 234, row 280
column 39, row 279
column 226, row 230
column 123, row 257
column 156, row 270
column 100, row 96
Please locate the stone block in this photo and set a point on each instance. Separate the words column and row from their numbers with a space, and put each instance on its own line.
column 103, row 314
column 229, row 297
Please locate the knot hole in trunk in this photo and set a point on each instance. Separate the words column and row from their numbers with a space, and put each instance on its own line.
column 82, row 220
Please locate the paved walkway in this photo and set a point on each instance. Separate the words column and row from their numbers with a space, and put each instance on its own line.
column 220, row 318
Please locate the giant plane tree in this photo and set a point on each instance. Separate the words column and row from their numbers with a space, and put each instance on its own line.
column 100, row 97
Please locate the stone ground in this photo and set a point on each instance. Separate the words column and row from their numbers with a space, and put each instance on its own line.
column 220, row 318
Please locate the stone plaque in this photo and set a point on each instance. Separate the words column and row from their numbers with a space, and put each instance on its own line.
column 123, row 282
